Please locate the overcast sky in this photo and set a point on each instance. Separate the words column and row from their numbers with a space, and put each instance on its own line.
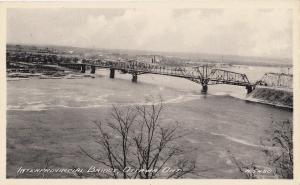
column 250, row 32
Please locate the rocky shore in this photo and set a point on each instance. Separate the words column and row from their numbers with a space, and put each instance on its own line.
column 279, row 97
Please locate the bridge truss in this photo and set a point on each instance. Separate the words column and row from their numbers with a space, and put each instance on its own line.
column 277, row 80
column 204, row 75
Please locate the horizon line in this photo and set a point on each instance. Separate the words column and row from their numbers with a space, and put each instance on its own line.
column 156, row 51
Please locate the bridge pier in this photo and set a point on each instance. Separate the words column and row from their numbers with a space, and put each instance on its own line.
column 93, row 69
column 134, row 78
column 199, row 75
column 83, row 67
column 249, row 88
column 112, row 73
column 204, row 89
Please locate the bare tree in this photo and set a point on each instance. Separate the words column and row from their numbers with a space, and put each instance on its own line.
column 135, row 144
column 278, row 148
column 281, row 159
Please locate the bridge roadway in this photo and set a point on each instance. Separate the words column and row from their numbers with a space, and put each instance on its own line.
column 203, row 75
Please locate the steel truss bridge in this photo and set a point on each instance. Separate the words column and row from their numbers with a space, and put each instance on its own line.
column 277, row 80
column 204, row 75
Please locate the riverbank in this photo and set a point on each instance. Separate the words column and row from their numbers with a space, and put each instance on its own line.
column 62, row 75
column 278, row 97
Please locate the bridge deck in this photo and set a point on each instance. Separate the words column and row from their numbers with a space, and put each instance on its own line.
column 200, row 74
column 190, row 74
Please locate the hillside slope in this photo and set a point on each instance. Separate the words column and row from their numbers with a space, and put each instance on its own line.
column 273, row 96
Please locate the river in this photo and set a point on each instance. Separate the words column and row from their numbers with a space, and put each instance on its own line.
column 49, row 118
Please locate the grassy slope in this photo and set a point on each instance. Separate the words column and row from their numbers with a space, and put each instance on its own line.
column 278, row 97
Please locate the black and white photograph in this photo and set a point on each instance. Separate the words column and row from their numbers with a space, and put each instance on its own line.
column 149, row 92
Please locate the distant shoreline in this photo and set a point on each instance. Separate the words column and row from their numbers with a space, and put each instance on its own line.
column 206, row 57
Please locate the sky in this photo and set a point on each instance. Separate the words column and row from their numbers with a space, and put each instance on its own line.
column 246, row 32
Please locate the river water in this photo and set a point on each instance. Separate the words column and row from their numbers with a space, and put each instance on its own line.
column 38, row 111
column 36, row 94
